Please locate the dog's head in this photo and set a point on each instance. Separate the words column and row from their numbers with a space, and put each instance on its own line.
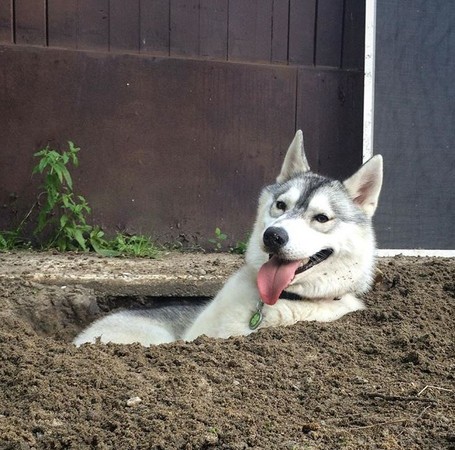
column 313, row 235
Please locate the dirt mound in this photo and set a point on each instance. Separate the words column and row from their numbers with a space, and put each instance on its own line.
column 382, row 378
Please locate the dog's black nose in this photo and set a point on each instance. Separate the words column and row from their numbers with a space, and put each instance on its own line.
column 274, row 238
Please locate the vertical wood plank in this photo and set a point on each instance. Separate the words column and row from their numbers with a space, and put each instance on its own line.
column 30, row 17
column 302, row 20
column 6, row 21
column 93, row 24
column 62, row 23
column 330, row 107
column 250, row 30
column 184, row 39
column 213, row 23
column 329, row 33
column 124, row 25
column 280, row 31
column 154, row 33
column 353, row 35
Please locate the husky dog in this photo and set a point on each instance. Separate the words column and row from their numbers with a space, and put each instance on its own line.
column 310, row 255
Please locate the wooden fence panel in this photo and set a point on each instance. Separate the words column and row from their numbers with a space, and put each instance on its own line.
column 173, row 155
column 155, row 27
column 190, row 149
column 280, row 31
column 353, row 35
column 250, row 30
column 302, row 20
column 124, row 25
column 93, row 25
column 62, row 23
column 329, row 33
column 6, row 22
column 184, row 28
column 329, row 110
column 213, row 33
column 324, row 33
column 30, row 18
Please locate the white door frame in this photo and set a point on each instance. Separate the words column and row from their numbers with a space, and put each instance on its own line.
column 368, row 120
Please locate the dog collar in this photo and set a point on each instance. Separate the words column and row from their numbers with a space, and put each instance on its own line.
column 257, row 317
column 291, row 296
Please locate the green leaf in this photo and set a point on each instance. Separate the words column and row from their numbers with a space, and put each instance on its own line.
column 63, row 220
column 97, row 233
column 40, row 166
column 103, row 251
column 66, row 200
column 42, row 152
column 67, row 177
column 80, row 239
column 59, row 172
column 73, row 153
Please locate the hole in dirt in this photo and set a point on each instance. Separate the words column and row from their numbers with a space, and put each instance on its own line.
column 61, row 312
column 111, row 303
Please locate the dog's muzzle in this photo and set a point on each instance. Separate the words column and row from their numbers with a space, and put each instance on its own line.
column 274, row 239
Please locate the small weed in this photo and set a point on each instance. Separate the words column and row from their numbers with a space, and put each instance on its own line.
column 62, row 217
column 139, row 246
column 239, row 248
column 218, row 240
column 65, row 213
column 9, row 240
column 62, row 210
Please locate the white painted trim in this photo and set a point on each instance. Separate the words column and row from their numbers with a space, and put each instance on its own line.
column 368, row 121
column 416, row 252
column 368, row 91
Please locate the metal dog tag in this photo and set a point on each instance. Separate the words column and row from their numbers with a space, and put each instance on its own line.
column 257, row 317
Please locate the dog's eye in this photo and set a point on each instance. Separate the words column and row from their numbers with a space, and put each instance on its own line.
column 321, row 218
column 280, row 205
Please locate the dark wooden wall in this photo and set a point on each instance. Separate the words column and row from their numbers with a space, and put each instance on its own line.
column 414, row 123
column 326, row 33
column 183, row 109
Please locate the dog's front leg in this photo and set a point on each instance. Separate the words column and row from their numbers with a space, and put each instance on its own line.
column 229, row 313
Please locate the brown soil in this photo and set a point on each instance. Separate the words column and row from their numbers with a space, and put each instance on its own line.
column 383, row 378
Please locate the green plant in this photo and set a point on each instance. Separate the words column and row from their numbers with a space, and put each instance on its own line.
column 62, row 210
column 239, row 248
column 65, row 212
column 62, row 218
column 9, row 240
column 137, row 245
column 218, row 240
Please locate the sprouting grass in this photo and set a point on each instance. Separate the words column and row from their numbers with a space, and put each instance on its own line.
column 136, row 245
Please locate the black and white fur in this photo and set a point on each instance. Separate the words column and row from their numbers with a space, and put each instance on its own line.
column 299, row 216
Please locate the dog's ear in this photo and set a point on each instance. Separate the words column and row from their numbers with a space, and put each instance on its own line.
column 295, row 161
column 365, row 185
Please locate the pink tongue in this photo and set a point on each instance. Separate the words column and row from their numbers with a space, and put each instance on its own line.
column 274, row 276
